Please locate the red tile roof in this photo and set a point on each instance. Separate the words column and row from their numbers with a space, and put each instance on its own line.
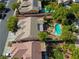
column 27, row 50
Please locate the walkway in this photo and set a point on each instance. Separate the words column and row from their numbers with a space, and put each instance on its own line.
column 11, row 37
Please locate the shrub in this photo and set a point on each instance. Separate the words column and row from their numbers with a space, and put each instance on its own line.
column 3, row 57
column 42, row 36
column 2, row 6
column 12, row 24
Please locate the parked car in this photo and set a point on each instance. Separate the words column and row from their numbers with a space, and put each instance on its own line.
column 6, row 10
column 2, row 15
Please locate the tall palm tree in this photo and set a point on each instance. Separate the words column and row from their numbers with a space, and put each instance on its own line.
column 15, row 6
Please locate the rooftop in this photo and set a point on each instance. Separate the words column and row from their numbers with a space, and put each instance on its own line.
column 29, row 28
column 27, row 50
column 28, row 5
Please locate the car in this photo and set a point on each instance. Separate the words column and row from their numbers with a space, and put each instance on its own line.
column 2, row 15
column 6, row 10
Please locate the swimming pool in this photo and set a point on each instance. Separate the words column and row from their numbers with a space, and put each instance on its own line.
column 58, row 30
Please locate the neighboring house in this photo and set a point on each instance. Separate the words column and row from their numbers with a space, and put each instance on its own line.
column 27, row 50
column 63, row 1
column 75, row 0
column 30, row 6
column 29, row 28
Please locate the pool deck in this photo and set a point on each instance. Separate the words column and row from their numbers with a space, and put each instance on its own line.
column 52, row 31
column 54, row 37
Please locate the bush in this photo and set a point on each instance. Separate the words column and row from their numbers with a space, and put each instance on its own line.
column 42, row 36
column 67, row 35
column 75, row 54
column 58, row 54
column 2, row 6
column 3, row 57
column 12, row 24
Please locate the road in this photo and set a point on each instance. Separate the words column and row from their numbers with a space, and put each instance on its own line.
column 3, row 28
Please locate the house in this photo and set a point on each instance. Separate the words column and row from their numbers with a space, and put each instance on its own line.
column 29, row 28
column 75, row 0
column 28, row 6
column 63, row 1
column 27, row 50
column 26, row 45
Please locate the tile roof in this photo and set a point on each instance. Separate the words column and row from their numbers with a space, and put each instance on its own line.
column 27, row 50
column 29, row 29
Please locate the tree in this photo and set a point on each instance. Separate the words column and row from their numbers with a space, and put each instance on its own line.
column 73, row 28
column 15, row 6
column 75, row 9
column 75, row 54
column 67, row 35
column 58, row 54
column 63, row 13
column 12, row 24
column 70, row 17
column 42, row 36
column 2, row 6
column 59, row 11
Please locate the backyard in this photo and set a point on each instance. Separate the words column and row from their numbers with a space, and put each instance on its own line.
column 62, row 27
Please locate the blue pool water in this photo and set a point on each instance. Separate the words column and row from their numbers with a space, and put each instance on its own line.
column 44, row 10
column 58, row 30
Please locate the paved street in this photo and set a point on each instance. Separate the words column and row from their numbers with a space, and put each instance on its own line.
column 3, row 29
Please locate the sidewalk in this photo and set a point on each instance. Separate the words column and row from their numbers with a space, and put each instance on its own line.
column 11, row 37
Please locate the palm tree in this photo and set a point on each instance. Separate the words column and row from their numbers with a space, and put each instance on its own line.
column 15, row 6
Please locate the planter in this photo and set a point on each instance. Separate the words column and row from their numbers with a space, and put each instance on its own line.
column 9, row 44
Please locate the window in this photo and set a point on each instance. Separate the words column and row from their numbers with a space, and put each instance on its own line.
column 35, row 3
column 40, row 27
column 44, row 55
